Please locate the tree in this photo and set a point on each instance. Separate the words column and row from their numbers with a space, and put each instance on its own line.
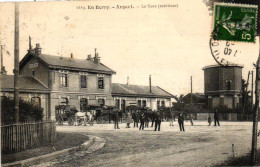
column 179, row 105
column 246, row 98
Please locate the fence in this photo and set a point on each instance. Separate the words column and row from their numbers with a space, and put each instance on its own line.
column 18, row 137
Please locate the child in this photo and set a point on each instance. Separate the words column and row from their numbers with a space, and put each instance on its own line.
column 209, row 119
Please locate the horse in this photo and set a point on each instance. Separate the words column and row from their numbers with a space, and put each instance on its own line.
column 79, row 116
column 90, row 116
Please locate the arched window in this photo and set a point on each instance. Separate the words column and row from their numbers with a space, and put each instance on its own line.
column 36, row 101
column 83, row 104
column 64, row 101
column 101, row 102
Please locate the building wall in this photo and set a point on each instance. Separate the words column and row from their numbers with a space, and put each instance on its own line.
column 151, row 103
column 74, row 82
column 223, row 86
column 216, row 78
column 73, row 92
column 40, row 71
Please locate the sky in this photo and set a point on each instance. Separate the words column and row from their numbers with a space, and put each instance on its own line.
column 170, row 44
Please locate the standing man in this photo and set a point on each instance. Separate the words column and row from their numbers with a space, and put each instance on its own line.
column 191, row 119
column 135, row 118
column 146, row 118
column 216, row 118
column 181, row 121
column 141, row 121
column 157, row 121
column 116, row 119
column 153, row 115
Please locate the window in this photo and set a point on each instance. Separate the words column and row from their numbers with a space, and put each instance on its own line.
column 139, row 103
column 101, row 102
column 123, row 105
column 158, row 104
column 64, row 80
column 83, row 81
column 64, row 101
column 117, row 103
column 163, row 103
column 36, row 101
column 144, row 103
column 83, row 104
column 228, row 82
column 100, row 82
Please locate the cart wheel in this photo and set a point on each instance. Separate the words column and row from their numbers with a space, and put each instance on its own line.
column 60, row 120
column 70, row 121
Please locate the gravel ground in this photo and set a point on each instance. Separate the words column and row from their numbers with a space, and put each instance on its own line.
column 199, row 145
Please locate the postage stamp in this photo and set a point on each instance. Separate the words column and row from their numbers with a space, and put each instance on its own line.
column 234, row 22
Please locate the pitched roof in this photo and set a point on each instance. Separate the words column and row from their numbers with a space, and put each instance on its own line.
column 28, row 83
column 69, row 63
column 139, row 90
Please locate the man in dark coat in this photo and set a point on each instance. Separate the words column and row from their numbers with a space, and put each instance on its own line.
column 153, row 115
column 135, row 118
column 146, row 118
column 116, row 119
column 158, row 120
column 181, row 121
column 216, row 118
column 141, row 117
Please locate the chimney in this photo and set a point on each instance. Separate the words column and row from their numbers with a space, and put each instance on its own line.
column 71, row 55
column 127, row 80
column 38, row 49
column 89, row 57
column 30, row 50
column 150, row 83
column 96, row 58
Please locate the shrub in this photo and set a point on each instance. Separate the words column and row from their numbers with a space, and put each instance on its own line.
column 27, row 111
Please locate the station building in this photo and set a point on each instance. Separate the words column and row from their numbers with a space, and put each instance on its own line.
column 223, row 86
column 49, row 81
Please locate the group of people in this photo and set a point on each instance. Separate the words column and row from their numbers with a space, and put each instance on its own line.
column 143, row 118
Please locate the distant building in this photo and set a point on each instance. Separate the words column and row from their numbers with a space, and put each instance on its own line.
column 152, row 97
column 223, row 85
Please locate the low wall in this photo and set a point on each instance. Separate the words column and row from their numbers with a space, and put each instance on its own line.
column 222, row 116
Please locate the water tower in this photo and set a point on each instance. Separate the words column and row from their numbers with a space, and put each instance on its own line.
column 223, row 85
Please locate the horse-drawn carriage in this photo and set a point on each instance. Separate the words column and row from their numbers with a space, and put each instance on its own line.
column 70, row 114
column 104, row 114
column 65, row 113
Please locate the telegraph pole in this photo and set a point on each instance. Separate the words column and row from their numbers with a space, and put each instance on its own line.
column 245, row 96
column 2, row 63
column 16, row 63
column 252, row 91
column 190, row 93
column 255, row 121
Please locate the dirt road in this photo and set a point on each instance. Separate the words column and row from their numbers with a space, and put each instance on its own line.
column 199, row 145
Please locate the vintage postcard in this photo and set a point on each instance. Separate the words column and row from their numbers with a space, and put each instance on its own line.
column 129, row 83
